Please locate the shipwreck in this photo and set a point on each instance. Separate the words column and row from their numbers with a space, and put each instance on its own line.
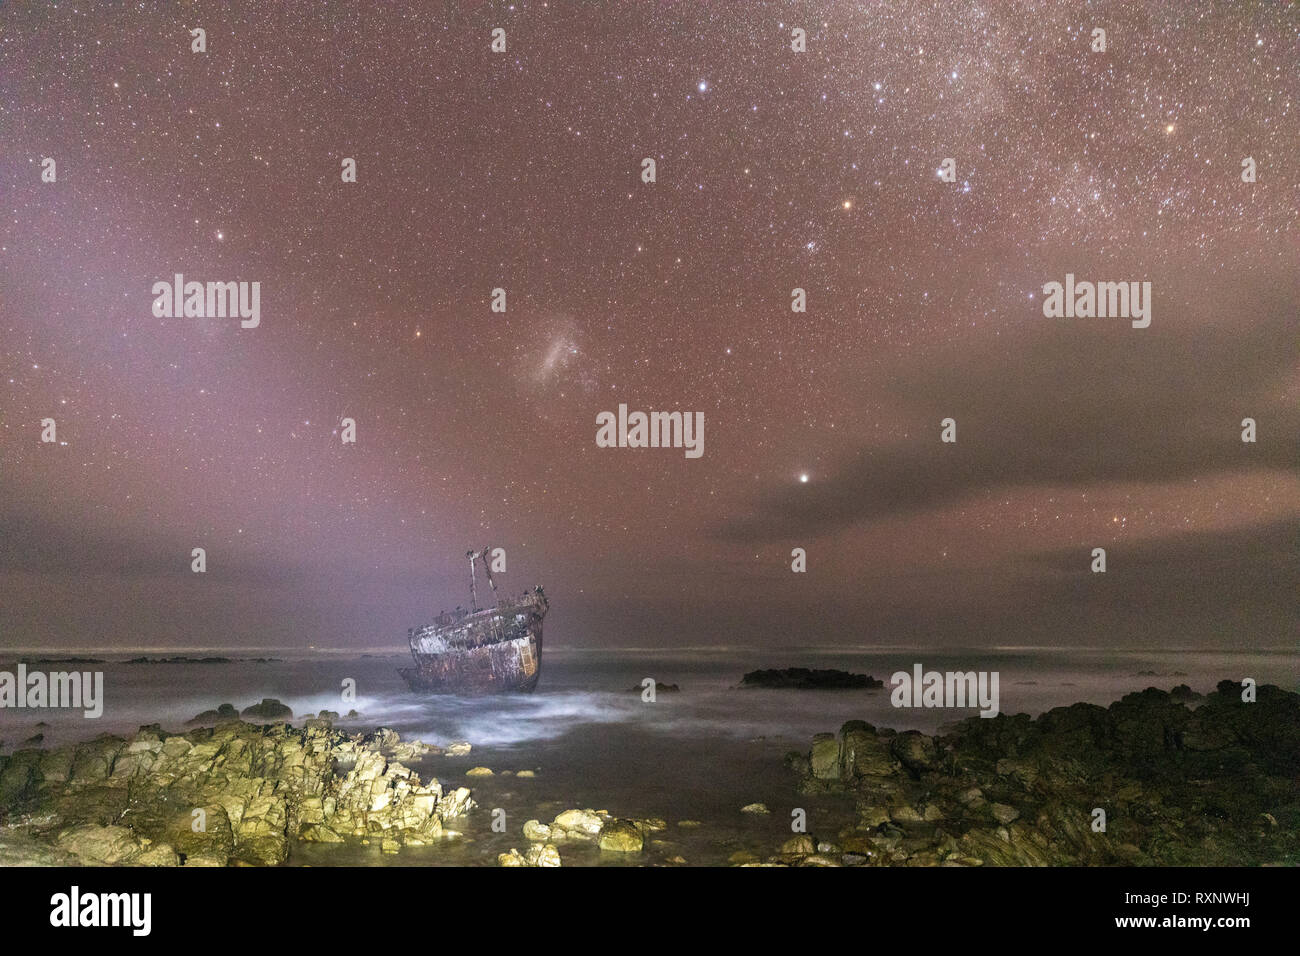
column 480, row 650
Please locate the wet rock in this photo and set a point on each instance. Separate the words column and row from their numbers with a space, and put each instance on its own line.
column 582, row 824
column 801, row 845
column 478, row 772
column 268, row 709
column 537, row 832
column 456, row 803
column 1184, row 785
column 1004, row 813
column 621, row 836
column 223, row 712
column 543, row 855
column 863, row 753
column 111, row 845
column 457, row 748
column 915, row 751
column 825, row 757
column 756, row 808
column 234, row 793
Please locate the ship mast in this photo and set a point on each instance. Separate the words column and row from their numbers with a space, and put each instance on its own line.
column 487, row 568
column 473, row 591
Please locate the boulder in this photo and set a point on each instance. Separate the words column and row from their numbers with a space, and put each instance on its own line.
column 621, row 836
column 268, row 709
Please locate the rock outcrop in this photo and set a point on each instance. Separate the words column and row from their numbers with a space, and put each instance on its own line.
column 236, row 793
column 1148, row 781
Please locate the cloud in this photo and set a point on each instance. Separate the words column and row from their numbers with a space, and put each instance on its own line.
column 1065, row 404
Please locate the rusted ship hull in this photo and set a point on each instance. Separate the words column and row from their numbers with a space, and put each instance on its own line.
column 496, row 650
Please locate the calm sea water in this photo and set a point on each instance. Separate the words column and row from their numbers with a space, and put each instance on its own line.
column 699, row 754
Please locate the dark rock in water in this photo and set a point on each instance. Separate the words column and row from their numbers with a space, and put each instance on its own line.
column 224, row 712
column 63, row 660
column 660, row 688
column 204, row 660
column 801, row 678
column 268, row 709
column 1212, row 784
column 352, row 715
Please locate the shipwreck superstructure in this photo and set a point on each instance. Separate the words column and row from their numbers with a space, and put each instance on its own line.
column 480, row 650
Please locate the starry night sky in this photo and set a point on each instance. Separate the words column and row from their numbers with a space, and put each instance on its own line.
column 775, row 170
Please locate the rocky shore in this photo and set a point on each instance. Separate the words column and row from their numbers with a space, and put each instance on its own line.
column 1156, row 779
column 237, row 793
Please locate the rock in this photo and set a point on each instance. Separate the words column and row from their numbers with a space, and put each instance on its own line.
column 238, row 793
column 478, row 772
column 801, row 845
column 801, row 678
column 382, row 738
column 580, row 823
column 1004, row 813
column 525, row 773
column 539, row 855
column 455, row 804
column 110, row 845
column 825, row 757
column 458, row 748
column 224, row 712
column 268, row 709
column 915, row 751
column 621, row 836
column 691, row 824
column 863, row 753
column 755, row 808
column 536, row 831
column 1192, row 785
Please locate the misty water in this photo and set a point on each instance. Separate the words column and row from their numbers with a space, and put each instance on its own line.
column 699, row 754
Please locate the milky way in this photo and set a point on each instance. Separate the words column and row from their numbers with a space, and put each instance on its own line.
column 775, row 170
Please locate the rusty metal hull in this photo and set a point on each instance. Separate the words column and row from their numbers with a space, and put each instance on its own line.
column 497, row 650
